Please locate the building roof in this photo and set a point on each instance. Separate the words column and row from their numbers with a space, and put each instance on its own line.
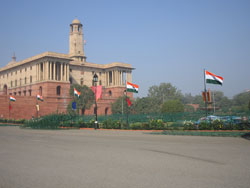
column 101, row 66
column 33, row 58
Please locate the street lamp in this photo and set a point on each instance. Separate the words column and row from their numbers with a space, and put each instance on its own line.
column 95, row 80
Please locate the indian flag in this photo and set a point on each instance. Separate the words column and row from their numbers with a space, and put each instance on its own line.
column 12, row 98
column 213, row 79
column 39, row 97
column 76, row 93
column 132, row 87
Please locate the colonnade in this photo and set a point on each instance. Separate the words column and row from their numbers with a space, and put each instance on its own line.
column 117, row 77
column 50, row 70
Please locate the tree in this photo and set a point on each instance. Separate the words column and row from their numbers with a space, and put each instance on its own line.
column 164, row 92
column 85, row 100
column 146, row 105
column 240, row 101
column 172, row 106
column 120, row 106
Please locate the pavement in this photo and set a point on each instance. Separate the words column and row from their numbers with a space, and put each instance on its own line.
column 114, row 159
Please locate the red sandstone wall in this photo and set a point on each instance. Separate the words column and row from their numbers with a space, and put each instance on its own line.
column 25, row 106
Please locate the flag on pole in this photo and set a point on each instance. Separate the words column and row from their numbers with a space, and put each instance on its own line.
column 129, row 102
column 39, row 97
column 76, row 93
column 132, row 87
column 213, row 79
column 97, row 90
column 12, row 98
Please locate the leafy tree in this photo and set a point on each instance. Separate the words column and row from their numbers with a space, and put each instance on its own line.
column 121, row 106
column 221, row 101
column 146, row 105
column 240, row 102
column 164, row 92
column 172, row 106
column 85, row 101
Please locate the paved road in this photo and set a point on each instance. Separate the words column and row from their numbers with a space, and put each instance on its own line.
column 114, row 159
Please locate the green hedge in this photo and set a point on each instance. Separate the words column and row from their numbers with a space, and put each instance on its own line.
column 57, row 121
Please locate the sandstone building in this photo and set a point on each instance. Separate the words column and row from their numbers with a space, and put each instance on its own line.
column 50, row 75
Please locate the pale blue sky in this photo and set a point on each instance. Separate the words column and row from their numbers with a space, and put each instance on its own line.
column 172, row 41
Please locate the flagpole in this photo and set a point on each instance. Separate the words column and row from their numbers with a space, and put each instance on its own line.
column 205, row 90
column 9, row 108
column 127, row 107
column 37, row 107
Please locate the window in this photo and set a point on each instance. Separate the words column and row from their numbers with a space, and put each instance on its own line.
column 19, row 93
column 93, row 72
column 5, row 89
column 16, row 72
column 25, row 80
column 40, row 90
column 110, row 93
column 14, row 93
column 20, row 70
column 11, row 84
column 30, row 67
column 30, row 79
column 106, row 111
column 81, row 81
column 100, row 73
column 15, row 83
column 24, row 93
column 30, row 92
column 58, row 90
column 25, row 69
column 110, row 77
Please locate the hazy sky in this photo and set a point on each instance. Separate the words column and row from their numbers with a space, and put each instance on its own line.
column 166, row 41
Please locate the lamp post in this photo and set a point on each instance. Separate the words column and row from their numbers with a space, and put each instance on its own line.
column 95, row 80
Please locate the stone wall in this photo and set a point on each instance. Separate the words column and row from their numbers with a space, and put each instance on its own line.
column 25, row 106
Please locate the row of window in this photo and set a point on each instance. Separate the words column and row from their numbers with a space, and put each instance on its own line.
column 7, row 75
column 15, row 84
column 29, row 93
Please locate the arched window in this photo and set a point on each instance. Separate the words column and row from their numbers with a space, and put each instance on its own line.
column 110, row 93
column 5, row 89
column 58, row 90
column 106, row 111
column 40, row 90
column 81, row 82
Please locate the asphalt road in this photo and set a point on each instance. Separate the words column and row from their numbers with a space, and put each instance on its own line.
column 107, row 159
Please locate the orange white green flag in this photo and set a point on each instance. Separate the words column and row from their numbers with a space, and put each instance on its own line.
column 12, row 98
column 76, row 93
column 213, row 79
column 39, row 97
column 132, row 87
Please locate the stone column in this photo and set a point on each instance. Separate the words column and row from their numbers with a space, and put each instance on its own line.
column 50, row 70
column 61, row 76
column 64, row 71
column 36, row 72
column 54, row 71
column 68, row 72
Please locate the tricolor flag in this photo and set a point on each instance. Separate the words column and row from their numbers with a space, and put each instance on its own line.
column 39, row 97
column 132, row 87
column 76, row 93
column 213, row 79
column 12, row 98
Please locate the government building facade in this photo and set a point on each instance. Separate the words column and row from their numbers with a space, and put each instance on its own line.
column 50, row 74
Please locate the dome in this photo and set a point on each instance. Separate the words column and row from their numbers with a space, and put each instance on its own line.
column 76, row 21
